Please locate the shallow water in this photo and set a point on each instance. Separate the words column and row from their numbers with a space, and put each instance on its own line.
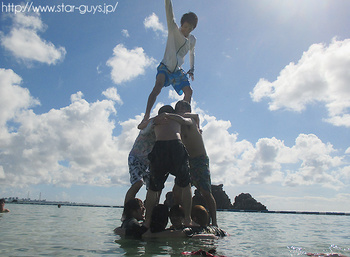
column 43, row 230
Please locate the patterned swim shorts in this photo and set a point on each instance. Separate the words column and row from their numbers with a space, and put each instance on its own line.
column 177, row 79
column 138, row 170
column 200, row 173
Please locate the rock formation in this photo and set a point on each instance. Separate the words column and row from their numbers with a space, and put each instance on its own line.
column 244, row 201
column 221, row 198
column 248, row 203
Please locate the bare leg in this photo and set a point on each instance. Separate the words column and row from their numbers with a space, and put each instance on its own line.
column 153, row 95
column 177, row 194
column 152, row 198
column 187, row 203
column 188, row 93
column 133, row 190
column 211, row 203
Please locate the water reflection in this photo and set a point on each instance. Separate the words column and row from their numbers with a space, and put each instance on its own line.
column 164, row 247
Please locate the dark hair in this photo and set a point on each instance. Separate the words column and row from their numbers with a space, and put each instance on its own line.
column 166, row 108
column 132, row 205
column 183, row 104
column 191, row 18
column 200, row 215
column 2, row 200
column 159, row 219
column 177, row 210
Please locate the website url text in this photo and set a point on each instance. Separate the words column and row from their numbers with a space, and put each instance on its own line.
column 61, row 8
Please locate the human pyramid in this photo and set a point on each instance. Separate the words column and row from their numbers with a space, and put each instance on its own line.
column 171, row 143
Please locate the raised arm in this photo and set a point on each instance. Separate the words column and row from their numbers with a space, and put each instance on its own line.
column 170, row 14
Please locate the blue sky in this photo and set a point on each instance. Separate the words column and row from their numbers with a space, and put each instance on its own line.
column 271, row 87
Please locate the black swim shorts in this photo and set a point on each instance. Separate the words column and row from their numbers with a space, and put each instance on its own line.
column 168, row 157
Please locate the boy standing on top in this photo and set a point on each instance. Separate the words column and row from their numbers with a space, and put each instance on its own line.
column 179, row 43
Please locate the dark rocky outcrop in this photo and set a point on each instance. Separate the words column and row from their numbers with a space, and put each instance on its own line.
column 248, row 203
column 220, row 196
column 244, row 201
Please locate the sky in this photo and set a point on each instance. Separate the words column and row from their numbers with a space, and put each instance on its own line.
column 272, row 88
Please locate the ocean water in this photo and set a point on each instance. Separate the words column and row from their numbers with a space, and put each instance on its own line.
column 43, row 230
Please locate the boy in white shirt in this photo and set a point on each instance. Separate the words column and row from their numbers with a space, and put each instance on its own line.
column 179, row 43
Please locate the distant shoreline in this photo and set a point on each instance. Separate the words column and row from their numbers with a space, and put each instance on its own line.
column 65, row 204
column 220, row 210
column 291, row 212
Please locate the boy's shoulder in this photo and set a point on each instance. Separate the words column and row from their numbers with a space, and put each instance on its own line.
column 128, row 223
column 205, row 230
column 192, row 39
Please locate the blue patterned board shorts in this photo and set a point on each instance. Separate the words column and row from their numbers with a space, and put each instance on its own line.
column 177, row 79
column 200, row 173
column 138, row 170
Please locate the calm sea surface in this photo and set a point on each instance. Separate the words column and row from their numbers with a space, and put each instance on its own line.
column 42, row 230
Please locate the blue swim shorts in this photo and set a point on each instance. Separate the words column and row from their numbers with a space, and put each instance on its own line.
column 177, row 79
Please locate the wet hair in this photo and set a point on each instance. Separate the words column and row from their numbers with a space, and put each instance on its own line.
column 177, row 211
column 191, row 18
column 183, row 105
column 166, row 108
column 159, row 218
column 200, row 215
column 2, row 200
column 131, row 206
column 177, row 216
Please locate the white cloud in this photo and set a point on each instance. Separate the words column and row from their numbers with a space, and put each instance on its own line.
column 321, row 75
column 152, row 22
column 317, row 164
column 336, row 203
column 24, row 42
column 128, row 64
column 125, row 33
column 75, row 145
column 71, row 145
column 13, row 98
column 347, row 151
column 308, row 162
column 2, row 173
column 174, row 96
column 112, row 94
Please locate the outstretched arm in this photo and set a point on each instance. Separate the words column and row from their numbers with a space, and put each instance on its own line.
column 144, row 124
column 179, row 119
column 193, row 116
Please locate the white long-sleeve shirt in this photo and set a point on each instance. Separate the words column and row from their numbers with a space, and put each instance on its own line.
column 177, row 45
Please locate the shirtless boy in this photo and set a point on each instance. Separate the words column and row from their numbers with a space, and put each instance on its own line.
column 168, row 156
column 198, row 159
